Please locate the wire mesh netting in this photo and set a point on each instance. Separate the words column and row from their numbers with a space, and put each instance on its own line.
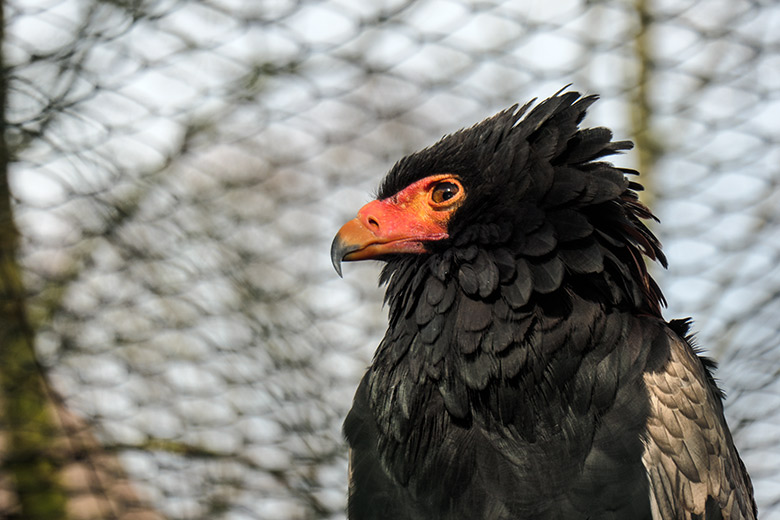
column 178, row 169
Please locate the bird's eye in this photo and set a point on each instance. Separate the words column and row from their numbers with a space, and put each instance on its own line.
column 444, row 191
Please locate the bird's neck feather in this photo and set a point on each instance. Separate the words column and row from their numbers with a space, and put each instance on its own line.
column 458, row 342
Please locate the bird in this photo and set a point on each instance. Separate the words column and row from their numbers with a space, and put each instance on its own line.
column 527, row 371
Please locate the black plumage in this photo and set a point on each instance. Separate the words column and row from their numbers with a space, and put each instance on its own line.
column 527, row 371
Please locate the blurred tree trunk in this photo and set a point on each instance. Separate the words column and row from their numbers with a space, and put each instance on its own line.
column 51, row 464
column 27, row 455
column 647, row 146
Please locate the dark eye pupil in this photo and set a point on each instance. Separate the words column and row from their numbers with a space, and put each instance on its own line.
column 445, row 191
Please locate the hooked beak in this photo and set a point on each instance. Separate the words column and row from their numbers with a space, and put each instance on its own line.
column 381, row 229
column 352, row 242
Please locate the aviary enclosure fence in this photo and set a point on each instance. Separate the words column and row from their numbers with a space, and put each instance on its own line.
column 176, row 172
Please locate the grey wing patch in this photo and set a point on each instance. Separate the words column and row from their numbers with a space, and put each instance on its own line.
column 693, row 468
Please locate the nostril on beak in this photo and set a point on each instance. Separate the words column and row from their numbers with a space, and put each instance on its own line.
column 372, row 222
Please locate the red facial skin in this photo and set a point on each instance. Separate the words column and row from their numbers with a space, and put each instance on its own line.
column 401, row 223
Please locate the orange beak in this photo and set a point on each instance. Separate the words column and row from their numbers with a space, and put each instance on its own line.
column 386, row 227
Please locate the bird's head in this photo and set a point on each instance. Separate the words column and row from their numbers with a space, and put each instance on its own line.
column 512, row 197
column 407, row 222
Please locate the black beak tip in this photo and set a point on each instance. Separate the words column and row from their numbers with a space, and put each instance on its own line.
column 337, row 251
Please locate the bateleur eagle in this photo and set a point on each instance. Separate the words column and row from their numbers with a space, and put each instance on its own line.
column 526, row 372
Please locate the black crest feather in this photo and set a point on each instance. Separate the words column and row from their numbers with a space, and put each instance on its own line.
column 538, row 186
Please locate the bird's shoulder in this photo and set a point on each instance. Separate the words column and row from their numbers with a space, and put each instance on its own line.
column 693, row 466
